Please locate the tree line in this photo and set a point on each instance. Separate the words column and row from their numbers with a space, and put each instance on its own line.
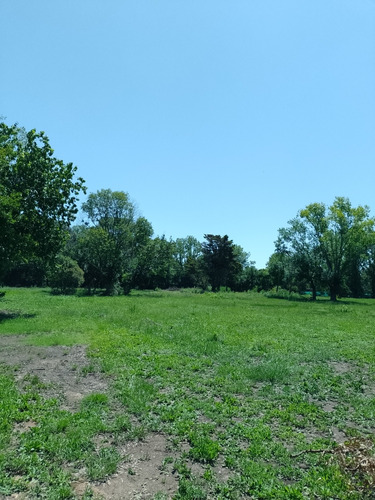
column 323, row 249
column 114, row 250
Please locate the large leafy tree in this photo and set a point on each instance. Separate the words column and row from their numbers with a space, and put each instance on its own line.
column 112, row 215
column 325, row 240
column 277, row 270
column 112, row 244
column 93, row 249
column 220, row 260
column 187, row 255
column 242, row 275
column 369, row 266
column 38, row 197
column 298, row 246
column 155, row 265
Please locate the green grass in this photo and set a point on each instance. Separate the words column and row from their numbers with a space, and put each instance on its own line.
column 237, row 382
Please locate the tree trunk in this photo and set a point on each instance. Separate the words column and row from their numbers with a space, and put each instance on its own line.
column 313, row 292
column 333, row 293
column 334, row 288
column 373, row 285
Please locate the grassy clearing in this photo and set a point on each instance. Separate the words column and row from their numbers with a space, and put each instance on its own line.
column 258, row 397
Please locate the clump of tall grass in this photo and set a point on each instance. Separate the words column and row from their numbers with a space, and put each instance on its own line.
column 274, row 370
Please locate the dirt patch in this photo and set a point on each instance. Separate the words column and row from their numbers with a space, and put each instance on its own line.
column 14, row 496
column 64, row 372
column 338, row 435
column 25, row 426
column 340, row 367
column 329, row 406
column 145, row 471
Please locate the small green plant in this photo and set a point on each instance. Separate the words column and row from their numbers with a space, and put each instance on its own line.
column 160, row 496
column 189, row 490
column 203, row 448
column 102, row 463
column 166, row 461
column 88, row 494
column 87, row 369
column 122, row 424
column 97, row 400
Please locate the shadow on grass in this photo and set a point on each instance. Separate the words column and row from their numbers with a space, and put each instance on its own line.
column 5, row 315
column 80, row 292
column 326, row 301
column 290, row 299
column 151, row 294
column 351, row 302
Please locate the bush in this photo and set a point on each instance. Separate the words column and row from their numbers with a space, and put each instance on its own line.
column 126, row 282
column 281, row 293
column 66, row 276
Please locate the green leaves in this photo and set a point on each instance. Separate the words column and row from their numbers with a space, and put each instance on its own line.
column 111, row 247
column 38, row 196
column 219, row 255
column 324, row 242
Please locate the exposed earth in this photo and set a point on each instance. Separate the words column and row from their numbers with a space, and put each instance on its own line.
column 140, row 475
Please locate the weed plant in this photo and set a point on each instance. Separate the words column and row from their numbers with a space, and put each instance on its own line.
column 258, row 398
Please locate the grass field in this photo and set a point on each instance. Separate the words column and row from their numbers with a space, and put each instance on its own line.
column 253, row 397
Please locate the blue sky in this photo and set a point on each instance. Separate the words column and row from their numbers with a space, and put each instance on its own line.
column 222, row 117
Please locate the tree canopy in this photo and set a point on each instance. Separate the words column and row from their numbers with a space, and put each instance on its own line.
column 38, row 197
column 327, row 248
column 108, row 248
column 325, row 242
column 220, row 260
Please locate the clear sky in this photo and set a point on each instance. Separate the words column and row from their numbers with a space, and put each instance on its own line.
column 221, row 117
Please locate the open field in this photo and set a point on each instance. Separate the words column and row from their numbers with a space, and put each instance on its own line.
column 188, row 396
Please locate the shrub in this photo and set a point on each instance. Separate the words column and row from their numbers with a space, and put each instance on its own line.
column 66, row 275
column 126, row 282
column 281, row 293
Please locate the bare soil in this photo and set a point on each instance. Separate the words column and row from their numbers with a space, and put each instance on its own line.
column 141, row 475
column 61, row 369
